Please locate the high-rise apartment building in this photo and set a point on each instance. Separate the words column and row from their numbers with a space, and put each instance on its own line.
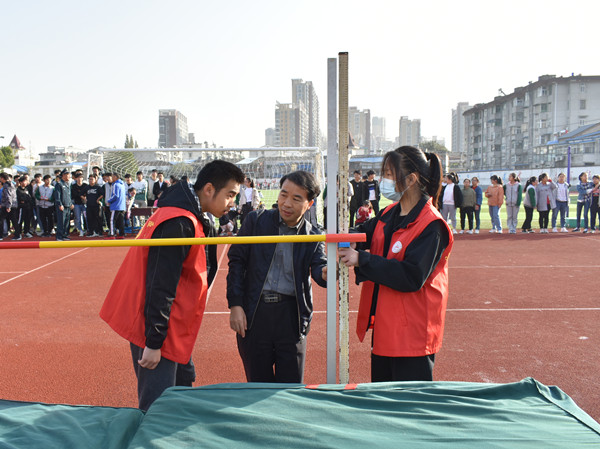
column 410, row 132
column 270, row 137
column 507, row 132
column 304, row 92
column 291, row 125
column 458, row 127
column 172, row 128
column 359, row 124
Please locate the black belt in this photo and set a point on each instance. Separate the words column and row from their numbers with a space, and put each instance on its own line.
column 272, row 297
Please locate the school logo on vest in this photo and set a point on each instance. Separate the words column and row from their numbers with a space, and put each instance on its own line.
column 397, row 247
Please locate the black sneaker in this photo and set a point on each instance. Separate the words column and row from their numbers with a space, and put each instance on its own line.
column 576, row 230
column 16, row 237
column 66, row 238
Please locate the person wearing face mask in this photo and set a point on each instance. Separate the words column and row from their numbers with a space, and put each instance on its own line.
column 405, row 273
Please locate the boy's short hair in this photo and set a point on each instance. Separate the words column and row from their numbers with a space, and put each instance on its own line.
column 139, row 173
column 305, row 180
column 46, row 177
column 218, row 173
column 366, row 203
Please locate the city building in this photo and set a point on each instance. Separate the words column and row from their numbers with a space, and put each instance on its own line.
column 270, row 137
column 291, row 125
column 304, row 92
column 172, row 128
column 458, row 127
column 506, row 132
column 359, row 124
column 410, row 132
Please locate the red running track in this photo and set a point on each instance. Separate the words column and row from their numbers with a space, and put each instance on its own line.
column 520, row 305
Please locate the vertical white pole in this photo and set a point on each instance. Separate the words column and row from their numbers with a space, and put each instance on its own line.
column 343, row 141
column 332, row 163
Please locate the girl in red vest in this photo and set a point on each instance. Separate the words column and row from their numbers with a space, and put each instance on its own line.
column 405, row 271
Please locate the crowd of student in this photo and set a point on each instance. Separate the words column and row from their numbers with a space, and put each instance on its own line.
column 539, row 193
column 102, row 206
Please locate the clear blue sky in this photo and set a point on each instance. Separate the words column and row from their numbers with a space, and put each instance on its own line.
column 85, row 73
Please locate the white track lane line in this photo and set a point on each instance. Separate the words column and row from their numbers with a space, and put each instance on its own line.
column 43, row 266
column 533, row 309
column 217, row 275
column 485, row 267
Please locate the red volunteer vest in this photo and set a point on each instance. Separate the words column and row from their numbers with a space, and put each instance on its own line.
column 407, row 324
column 123, row 308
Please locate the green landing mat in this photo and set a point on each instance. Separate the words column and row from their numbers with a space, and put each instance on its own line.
column 524, row 414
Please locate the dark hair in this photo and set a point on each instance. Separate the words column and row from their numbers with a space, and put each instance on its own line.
column 107, row 174
column 581, row 174
column 366, row 202
column 529, row 182
column 370, row 172
column 406, row 160
column 127, row 175
column 4, row 176
column 514, row 175
column 494, row 178
column 139, row 173
column 173, row 179
column 542, row 176
column 305, row 180
column 57, row 172
column 475, row 178
column 218, row 173
column 364, row 177
column 250, row 181
column 37, row 175
column 95, row 166
column 154, row 170
column 93, row 176
column 47, row 177
column 115, row 174
column 357, row 172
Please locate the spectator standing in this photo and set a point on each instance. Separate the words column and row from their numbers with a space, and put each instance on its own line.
column 153, row 178
column 467, row 208
column 160, row 185
column 96, row 171
column 451, row 198
column 584, row 201
column 141, row 190
column 371, row 191
column 562, row 200
column 78, row 192
column 117, row 205
column 45, row 200
column 37, row 220
column 595, row 204
column 107, row 184
column 26, row 202
column 495, row 196
column 63, row 205
column 94, row 196
column 545, row 200
column 478, row 202
column 513, row 191
column 129, row 203
column 358, row 197
column 529, row 203
column 249, row 199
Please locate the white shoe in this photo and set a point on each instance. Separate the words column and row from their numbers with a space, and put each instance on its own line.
column 469, row 231
column 476, row 231
column 454, row 231
column 492, row 231
column 81, row 233
column 554, row 230
column 498, row 231
column 564, row 230
column 462, row 231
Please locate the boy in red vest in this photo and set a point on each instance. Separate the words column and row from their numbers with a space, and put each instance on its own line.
column 158, row 296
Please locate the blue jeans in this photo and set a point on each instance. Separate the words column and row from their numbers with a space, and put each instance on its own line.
column 585, row 205
column 477, row 212
column 562, row 207
column 495, row 216
column 79, row 211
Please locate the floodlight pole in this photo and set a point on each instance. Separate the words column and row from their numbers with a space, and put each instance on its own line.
column 332, row 163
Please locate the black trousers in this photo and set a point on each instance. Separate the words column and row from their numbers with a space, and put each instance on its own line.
column 47, row 218
column 528, row 218
column 543, row 218
column 399, row 369
column 272, row 351
column 352, row 214
column 152, row 382
column 117, row 222
column 11, row 217
column 375, row 205
column 94, row 220
column 25, row 215
column 468, row 212
column 594, row 213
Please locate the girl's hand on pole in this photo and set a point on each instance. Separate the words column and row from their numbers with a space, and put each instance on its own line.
column 349, row 256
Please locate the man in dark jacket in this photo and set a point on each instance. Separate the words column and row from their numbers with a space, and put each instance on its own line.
column 358, row 196
column 371, row 191
column 10, row 206
column 269, row 289
column 26, row 202
column 63, row 205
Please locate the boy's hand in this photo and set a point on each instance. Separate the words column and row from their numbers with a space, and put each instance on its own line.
column 324, row 273
column 237, row 320
column 150, row 358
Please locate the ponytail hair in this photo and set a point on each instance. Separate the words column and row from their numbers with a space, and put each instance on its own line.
column 427, row 166
column 529, row 182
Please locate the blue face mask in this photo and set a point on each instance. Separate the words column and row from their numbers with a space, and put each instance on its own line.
column 388, row 189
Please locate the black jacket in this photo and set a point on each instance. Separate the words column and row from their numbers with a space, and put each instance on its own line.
column 366, row 187
column 458, row 197
column 250, row 264
column 359, row 195
column 168, row 261
column 24, row 198
column 157, row 188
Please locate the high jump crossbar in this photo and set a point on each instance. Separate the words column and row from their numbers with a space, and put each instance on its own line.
column 238, row 240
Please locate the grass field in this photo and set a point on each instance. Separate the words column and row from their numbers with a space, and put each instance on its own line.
column 270, row 197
